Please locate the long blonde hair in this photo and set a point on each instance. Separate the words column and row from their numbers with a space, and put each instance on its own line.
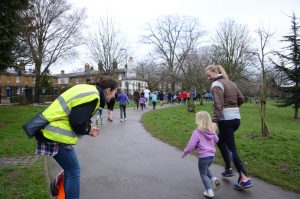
column 203, row 121
column 217, row 69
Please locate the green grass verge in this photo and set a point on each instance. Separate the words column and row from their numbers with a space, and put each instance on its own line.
column 27, row 183
column 13, row 139
column 275, row 160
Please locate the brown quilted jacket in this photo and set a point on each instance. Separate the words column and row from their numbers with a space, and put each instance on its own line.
column 226, row 95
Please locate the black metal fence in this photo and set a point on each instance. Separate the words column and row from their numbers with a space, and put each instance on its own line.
column 25, row 95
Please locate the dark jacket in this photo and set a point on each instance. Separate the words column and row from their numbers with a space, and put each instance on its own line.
column 136, row 95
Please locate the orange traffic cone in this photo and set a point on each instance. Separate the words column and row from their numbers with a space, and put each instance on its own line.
column 61, row 190
column 57, row 184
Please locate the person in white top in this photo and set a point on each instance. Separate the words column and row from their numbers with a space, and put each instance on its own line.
column 146, row 95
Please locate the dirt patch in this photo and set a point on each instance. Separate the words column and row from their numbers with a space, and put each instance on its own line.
column 2, row 125
column 283, row 166
column 252, row 135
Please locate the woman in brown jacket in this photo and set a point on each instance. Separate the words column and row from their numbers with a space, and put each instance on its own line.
column 227, row 99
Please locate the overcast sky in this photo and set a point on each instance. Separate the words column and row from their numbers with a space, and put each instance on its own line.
column 131, row 17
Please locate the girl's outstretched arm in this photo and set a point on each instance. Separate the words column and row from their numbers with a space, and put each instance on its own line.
column 191, row 144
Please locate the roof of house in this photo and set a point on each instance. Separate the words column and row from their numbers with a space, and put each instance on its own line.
column 14, row 71
column 83, row 74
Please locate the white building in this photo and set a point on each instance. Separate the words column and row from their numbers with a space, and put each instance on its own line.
column 130, row 82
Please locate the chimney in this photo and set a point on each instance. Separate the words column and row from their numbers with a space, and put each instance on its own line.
column 21, row 68
column 62, row 72
column 86, row 68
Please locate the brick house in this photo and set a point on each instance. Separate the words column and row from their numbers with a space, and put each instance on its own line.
column 14, row 82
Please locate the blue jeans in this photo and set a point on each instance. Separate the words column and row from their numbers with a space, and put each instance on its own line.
column 67, row 159
column 123, row 111
column 205, row 174
column 154, row 104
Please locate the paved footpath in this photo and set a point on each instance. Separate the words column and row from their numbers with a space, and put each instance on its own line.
column 126, row 162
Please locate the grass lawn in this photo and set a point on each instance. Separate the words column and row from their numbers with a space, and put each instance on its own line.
column 275, row 160
column 27, row 183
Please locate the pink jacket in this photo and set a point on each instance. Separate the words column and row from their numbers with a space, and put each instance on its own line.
column 203, row 142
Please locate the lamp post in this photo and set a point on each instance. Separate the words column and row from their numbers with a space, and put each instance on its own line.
column 126, row 66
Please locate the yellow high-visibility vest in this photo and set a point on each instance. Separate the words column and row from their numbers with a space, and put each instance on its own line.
column 59, row 128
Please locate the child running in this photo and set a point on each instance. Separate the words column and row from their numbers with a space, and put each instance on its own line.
column 142, row 102
column 123, row 100
column 203, row 140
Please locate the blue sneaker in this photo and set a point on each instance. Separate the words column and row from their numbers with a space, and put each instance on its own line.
column 228, row 173
column 243, row 185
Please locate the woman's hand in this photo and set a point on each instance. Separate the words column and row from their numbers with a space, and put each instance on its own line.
column 94, row 132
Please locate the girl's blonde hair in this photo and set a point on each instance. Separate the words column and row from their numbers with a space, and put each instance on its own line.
column 203, row 121
column 218, row 69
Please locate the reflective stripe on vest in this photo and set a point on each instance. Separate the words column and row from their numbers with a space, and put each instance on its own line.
column 64, row 105
column 60, row 131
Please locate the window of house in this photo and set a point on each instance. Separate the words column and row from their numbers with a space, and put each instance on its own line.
column 18, row 90
column 8, row 92
column 77, row 80
column 17, row 79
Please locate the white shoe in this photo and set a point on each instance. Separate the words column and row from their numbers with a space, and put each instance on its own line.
column 209, row 193
column 121, row 120
column 124, row 119
column 216, row 183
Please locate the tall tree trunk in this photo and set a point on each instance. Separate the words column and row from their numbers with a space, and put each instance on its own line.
column 263, row 102
column 37, row 89
column 38, row 65
column 173, row 86
column 201, row 100
column 264, row 128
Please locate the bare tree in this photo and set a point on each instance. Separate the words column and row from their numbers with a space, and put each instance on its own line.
column 151, row 73
column 107, row 47
column 192, row 75
column 51, row 31
column 262, row 54
column 173, row 37
column 232, row 48
column 192, row 71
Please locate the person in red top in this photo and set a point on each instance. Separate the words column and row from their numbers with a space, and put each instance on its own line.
column 184, row 96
